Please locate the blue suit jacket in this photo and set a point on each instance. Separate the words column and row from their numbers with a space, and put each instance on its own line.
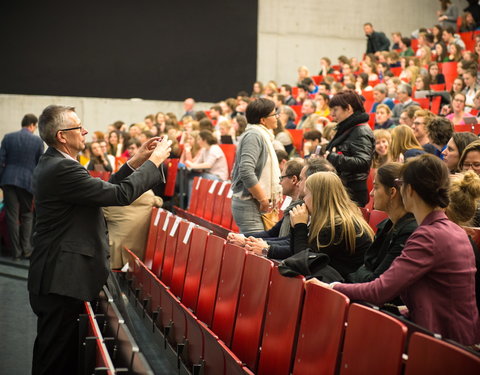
column 19, row 154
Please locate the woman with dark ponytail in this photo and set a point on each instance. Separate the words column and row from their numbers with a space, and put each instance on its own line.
column 435, row 273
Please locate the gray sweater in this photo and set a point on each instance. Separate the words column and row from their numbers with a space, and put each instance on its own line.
column 251, row 157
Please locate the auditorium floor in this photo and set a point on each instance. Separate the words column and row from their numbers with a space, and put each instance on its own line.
column 17, row 321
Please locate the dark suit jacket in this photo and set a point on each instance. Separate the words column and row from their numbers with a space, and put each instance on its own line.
column 19, row 155
column 70, row 255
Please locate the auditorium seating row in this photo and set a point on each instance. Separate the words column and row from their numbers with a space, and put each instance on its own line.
column 107, row 345
column 221, row 310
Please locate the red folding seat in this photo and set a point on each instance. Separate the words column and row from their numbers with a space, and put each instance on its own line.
column 181, row 257
column 297, row 138
column 172, row 169
column 227, row 217
column 321, row 331
column 227, row 294
column 374, row 342
column 202, row 193
column 162, row 233
column 251, row 309
column 284, row 307
column 210, row 198
column 462, row 128
column 152, row 235
column 192, row 208
column 205, row 304
column 438, row 87
column 298, row 110
column 229, row 151
column 429, row 355
column 219, row 201
column 376, row 217
column 171, row 249
column 195, row 262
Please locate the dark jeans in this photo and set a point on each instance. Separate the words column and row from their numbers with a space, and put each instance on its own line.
column 358, row 192
column 19, row 218
column 56, row 346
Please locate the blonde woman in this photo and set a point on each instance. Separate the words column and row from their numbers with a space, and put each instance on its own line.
column 383, row 139
column 191, row 148
column 303, row 73
column 425, row 56
column 337, row 227
column 383, row 117
column 404, row 144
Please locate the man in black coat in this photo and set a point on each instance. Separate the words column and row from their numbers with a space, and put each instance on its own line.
column 376, row 40
column 69, row 262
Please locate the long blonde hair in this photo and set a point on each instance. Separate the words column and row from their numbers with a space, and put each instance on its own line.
column 331, row 207
column 403, row 139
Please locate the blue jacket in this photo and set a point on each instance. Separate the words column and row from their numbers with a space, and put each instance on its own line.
column 19, row 155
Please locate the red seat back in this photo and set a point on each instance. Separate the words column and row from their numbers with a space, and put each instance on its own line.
column 202, row 191
column 210, row 198
column 298, row 110
column 429, row 355
column 152, row 235
column 438, row 87
column 317, row 79
column 227, row 218
column 368, row 95
column 181, row 258
column 251, row 309
column 172, row 169
column 371, row 120
column 376, row 217
column 219, row 201
column 194, row 194
column 227, row 294
column 435, row 103
column 229, row 151
column 297, row 138
column 424, row 102
column 209, row 280
column 171, row 249
column 396, row 71
column 193, row 272
column 165, row 225
column 370, row 332
column 283, row 315
column 318, row 348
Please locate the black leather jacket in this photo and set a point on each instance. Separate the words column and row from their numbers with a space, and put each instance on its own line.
column 354, row 145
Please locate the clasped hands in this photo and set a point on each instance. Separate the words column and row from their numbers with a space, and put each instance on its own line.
column 253, row 244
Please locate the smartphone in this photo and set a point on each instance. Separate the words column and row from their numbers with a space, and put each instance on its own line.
column 318, row 150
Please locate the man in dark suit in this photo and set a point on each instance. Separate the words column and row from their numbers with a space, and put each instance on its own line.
column 376, row 40
column 19, row 155
column 69, row 262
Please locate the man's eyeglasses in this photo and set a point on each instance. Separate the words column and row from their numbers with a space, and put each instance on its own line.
column 287, row 175
column 67, row 129
column 276, row 114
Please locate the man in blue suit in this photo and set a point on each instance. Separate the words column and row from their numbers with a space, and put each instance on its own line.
column 19, row 154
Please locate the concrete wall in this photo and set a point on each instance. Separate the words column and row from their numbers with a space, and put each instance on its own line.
column 95, row 113
column 295, row 33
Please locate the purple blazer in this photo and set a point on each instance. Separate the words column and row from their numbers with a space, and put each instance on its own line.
column 435, row 277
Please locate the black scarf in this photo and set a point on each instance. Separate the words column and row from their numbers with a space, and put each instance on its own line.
column 345, row 127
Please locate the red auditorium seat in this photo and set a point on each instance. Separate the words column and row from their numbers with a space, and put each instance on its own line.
column 194, row 194
column 396, row 71
column 318, row 348
column 371, row 120
column 368, row 95
column 195, row 263
column 438, row 87
column 210, row 199
column 227, row 211
column 282, row 318
column 162, row 234
column 172, row 169
column 204, row 303
column 424, row 102
column 449, row 70
column 429, row 355
column 219, row 201
column 155, row 219
column 202, row 193
column 376, row 217
column 435, row 103
column 317, row 79
column 374, row 343
column 298, row 110
column 251, row 309
column 229, row 151
column 171, row 248
column 297, row 137
column 181, row 257
column 227, row 294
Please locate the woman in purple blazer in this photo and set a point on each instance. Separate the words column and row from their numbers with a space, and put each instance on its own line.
column 435, row 273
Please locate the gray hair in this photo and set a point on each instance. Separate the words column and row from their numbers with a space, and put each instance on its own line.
column 381, row 87
column 52, row 119
column 290, row 112
column 312, row 103
column 405, row 88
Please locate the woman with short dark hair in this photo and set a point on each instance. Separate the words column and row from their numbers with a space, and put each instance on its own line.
column 435, row 273
column 256, row 174
column 351, row 149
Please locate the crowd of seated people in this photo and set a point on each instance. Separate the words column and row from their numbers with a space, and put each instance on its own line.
column 411, row 153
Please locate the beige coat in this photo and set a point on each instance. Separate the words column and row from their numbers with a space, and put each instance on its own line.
column 128, row 226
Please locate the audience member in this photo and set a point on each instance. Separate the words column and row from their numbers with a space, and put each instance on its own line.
column 471, row 87
column 351, row 149
column 439, row 130
column 393, row 232
column 376, row 40
column 434, row 75
column 98, row 160
column 256, row 172
column 311, row 140
column 458, row 106
column 380, row 92
column 381, row 156
column 337, row 227
column 309, row 118
column 435, row 273
column 383, row 117
column 404, row 144
column 257, row 90
column 454, row 149
column 286, row 91
column 405, row 49
column 404, row 96
column 287, row 117
column 422, row 118
column 470, row 159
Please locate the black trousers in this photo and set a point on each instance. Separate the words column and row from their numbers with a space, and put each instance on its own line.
column 56, row 346
column 19, row 218
column 358, row 192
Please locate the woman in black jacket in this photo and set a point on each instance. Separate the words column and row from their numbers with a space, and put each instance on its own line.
column 351, row 149
column 392, row 233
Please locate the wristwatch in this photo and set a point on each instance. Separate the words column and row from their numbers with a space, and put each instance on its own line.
column 265, row 251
